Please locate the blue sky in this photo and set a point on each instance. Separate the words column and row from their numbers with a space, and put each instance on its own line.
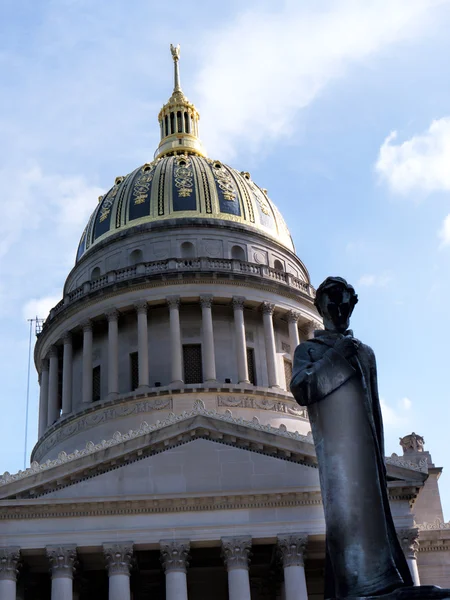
column 341, row 109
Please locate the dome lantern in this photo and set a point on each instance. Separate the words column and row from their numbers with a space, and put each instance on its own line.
column 178, row 120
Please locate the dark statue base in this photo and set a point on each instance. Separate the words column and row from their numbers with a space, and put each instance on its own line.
column 422, row 592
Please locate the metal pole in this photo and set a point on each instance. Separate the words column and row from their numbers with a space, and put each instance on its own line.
column 28, row 395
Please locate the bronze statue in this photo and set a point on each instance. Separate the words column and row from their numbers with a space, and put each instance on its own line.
column 335, row 376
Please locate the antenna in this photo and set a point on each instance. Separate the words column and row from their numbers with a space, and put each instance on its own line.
column 38, row 323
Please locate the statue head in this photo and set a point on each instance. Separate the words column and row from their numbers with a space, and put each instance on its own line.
column 335, row 301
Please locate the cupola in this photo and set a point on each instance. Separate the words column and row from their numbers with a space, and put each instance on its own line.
column 178, row 119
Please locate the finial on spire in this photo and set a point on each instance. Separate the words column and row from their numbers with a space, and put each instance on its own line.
column 175, row 50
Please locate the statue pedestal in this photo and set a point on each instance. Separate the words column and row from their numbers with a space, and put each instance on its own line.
column 421, row 592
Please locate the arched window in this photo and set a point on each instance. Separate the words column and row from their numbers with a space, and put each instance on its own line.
column 186, row 123
column 238, row 253
column 166, row 123
column 179, row 124
column 95, row 274
column 172, row 122
column 187, row 250
column 135, row 257
column 278, row 266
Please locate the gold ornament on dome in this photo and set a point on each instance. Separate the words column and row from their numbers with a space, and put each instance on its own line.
column 142, row 186
column 223, row 180
column 107, row 204
column 183, row 176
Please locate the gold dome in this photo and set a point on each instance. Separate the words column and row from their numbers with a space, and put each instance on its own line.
column 183, row 183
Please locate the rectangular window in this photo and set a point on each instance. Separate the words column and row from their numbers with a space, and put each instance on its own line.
column 287, row 372
column 96, row 381
column 251, row 366
column 134, row 370
column 192, row 359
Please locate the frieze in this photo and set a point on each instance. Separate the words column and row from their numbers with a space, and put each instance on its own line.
column 161, row 505
column 102, row 416
column 262, row 404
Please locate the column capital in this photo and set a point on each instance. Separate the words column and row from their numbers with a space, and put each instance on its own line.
column 175, row 555
column 292, row 316
column 119, row 558
column 238, row 302
column 141, row 306
column 409, row 541
column 62, row 560
column 112, row 314
column 291, row 548
column 53, row 352
column 310, row 328
column 9, row 563
column 267, row 308
column 173, row 301
column 236, row 552
column 206, row 300
column 86, row 325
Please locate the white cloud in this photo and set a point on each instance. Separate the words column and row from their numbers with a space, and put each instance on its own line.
column 420, row 163
column 267, row 64
column 398, row 416
column 40, row 307
column 406, row 403
column 444, row 232
column 42, row 220
column 371, row 280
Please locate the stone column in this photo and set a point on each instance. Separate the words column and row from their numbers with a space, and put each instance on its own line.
column 409, row 541
column 119, row 561
column 62, row 562
column 310, row 329
column 175, row 339
column 9, row 567
column 53, row 409
column 209, row 359
column 87, row 362
column 113, row 352
column 292, row 548
column 241, row 346
column 43, row 398
column 174, row 558
column 269, row 335
column 236, row 553
column 67, row 375
column 142, row 327
column 294, row 339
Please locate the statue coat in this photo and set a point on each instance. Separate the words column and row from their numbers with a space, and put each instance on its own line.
column 364, row 556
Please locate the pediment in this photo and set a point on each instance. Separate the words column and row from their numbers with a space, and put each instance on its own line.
column 198, row 467
column 131, row 463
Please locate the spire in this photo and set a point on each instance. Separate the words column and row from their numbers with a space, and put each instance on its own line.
column 176, row 70
column 178, row 119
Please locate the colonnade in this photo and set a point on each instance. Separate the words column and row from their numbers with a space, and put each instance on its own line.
column 174, row 554
column 49, row 410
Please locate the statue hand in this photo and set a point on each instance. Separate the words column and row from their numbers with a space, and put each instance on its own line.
column 347, row 346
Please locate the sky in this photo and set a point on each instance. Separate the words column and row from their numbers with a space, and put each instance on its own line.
column 340, row 108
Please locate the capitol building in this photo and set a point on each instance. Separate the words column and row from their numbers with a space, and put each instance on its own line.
column 172, row 461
